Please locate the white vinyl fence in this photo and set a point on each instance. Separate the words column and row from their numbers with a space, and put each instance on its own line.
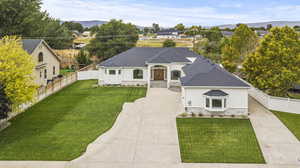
column 87, row 75
column 276, row 103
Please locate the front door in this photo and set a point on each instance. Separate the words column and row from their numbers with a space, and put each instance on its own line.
column 159, row 74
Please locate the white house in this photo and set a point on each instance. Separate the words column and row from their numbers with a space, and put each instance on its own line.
column 168, row 34
column 206, row 88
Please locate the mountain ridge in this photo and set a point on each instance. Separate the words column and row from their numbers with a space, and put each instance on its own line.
column 263, row 24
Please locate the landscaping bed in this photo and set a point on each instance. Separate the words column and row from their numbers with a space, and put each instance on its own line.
column 292, row 121
column 61, row 126
column 218, row 141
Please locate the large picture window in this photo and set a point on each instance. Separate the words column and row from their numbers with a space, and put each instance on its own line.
column 216, row 100
column 137, row 74
column 175, row 75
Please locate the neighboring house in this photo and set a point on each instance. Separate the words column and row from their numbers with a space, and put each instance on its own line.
column 261, row 33
column 75, row 33
column 168, row 34
column 206, row 87
column 47, row 62
column 87, row 34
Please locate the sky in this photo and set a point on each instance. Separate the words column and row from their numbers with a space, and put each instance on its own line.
column 171, row 12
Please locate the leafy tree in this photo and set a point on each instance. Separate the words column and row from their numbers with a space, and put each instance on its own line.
column 194, row 30
column 269, row 26
column 24, row 18
column 113, row 38
column 180, row 27
column 5, row 104
column 19, row 17
column 155, row 28
column 230, row 56
column 213, row 34
column 169, row 43
column 16, row 73
column 244, row 40
column 73, row 26
column 275, row 66
column 93, row 29
column 83, row 59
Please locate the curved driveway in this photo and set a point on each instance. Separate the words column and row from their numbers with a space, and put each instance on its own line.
column 144, row 135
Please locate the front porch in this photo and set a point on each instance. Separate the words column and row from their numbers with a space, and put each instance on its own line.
column 162, row 76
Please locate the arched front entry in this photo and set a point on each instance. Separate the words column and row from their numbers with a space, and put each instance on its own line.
column 159, row 73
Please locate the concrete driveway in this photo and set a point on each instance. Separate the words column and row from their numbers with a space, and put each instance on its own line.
column 278, row 144
column 144, row 135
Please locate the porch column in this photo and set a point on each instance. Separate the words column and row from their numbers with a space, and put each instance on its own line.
column 168, row 76
column 149, row 76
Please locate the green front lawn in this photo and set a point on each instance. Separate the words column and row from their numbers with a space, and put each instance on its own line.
column 61, row 126
column 218, row 141
column 64, row 72
column 292, row 121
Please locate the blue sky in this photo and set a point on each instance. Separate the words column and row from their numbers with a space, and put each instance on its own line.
column 170, row 12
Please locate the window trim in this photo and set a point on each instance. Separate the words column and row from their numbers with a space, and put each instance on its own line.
column 172, row 76
column 137, row 77
column 224, row 100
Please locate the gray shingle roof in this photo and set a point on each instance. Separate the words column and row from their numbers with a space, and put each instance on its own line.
column 203, row 72
column 139, row 56
column 215, row 93
column 30, row 44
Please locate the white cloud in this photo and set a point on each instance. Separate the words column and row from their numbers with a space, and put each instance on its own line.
column 145, row 15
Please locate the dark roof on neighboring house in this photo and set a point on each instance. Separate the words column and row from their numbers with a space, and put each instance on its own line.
column 203, row 72
column 30, row 45
column 140, row 56
column 168, row 32
column 215, row 93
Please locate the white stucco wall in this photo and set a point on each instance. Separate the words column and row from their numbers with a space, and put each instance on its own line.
column 237, row 98
column 125, row 78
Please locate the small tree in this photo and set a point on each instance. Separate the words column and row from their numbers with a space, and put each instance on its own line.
column 230, row 56
column 16, row 71
column 244, row 40
column 83, row 59
column 169, row 43
column 180, row 27
column 275, row 66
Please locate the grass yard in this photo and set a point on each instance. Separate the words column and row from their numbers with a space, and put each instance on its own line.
column 218, row 141
column 291, row 121
column 61, row 126
column 66, row 71
column 159, row 43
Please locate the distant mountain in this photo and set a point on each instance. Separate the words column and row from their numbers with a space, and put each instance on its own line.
column 264, row 24
column 90, row 23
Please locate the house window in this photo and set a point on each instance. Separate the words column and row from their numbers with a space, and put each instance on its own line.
column 54, row 70
column 137, row 74
column 112, row 72
column 217, row 103
column 207, row 103
column 41, row 74
column 215, row 100
column 175, row 75
column 45, row 73
column 120, row 72
column 41, row 57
